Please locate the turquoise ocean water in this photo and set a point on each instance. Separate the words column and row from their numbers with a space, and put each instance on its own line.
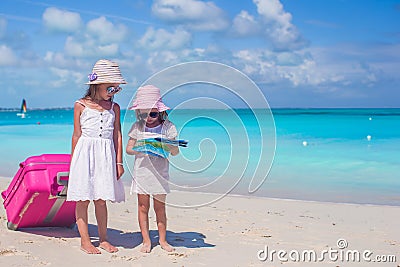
column 321, row 154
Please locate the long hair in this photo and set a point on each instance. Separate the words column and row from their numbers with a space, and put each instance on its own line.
column 91, row 93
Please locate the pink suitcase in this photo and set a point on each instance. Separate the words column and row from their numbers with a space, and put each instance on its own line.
column 36, row 196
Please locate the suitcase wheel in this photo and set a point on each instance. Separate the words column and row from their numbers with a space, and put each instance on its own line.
column 11, row 226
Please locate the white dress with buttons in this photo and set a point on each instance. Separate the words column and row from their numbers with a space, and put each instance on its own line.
column 93, row 173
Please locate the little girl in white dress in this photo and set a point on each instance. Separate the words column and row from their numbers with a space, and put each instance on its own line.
column 94, row 158
column 151, row 173
column 96, row 162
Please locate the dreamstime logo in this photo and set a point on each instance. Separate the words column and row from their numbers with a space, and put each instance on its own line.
column 334, row 255
column 342, row 243
column 226, row 144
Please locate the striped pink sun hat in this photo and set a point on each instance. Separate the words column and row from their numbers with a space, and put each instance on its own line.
column 148, row 97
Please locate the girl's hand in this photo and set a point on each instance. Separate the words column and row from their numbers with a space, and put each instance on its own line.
column 174, row 150
column 120, row 171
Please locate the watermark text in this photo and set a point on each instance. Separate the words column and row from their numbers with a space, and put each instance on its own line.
column 339, row 254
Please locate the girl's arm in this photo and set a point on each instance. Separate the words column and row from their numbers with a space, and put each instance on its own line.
column 118, row 140
column 77, row 126
column 132, row 142
column 130, row 145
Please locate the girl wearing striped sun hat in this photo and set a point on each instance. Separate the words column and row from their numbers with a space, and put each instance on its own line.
column 96, row 157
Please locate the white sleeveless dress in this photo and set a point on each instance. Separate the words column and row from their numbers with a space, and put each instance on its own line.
column 93, row 173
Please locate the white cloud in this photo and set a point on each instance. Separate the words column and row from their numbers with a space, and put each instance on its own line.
column 273, row 23
column 61, row 77
column 272, row 10
column 245, row 25
column 157, row 60
column 257, row 64
column 89, row 48
column 108, row 50
column 319, row 69
column 101, row 39
column 66, row 70
column 278, row 26
column 162, row 39
column 60, row 20
column 106, row 31
column 289, row 59
column 56, row 58
column 73, row 47
column 194, row 14
column 8, row 57
column 61, row 60
column 297, row 68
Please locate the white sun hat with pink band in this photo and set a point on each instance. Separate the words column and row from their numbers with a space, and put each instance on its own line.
column 148, row 97
column 105, row 71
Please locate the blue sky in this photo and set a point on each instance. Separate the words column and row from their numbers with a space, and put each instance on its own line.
column 309, row 53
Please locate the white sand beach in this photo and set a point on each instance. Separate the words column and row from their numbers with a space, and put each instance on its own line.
column 229, row 232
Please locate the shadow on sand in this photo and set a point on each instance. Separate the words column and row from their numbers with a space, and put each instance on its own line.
column 126, row 240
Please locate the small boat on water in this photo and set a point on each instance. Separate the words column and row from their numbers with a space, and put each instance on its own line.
column 22, row 112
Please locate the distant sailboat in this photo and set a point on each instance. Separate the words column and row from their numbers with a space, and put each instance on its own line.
column 22, row 112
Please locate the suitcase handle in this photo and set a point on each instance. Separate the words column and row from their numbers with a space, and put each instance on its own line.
column 63, row 193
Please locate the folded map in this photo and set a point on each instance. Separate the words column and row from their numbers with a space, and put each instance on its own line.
column 157, row 146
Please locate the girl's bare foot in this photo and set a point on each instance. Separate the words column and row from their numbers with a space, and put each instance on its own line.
column 108, row 247
column 90, row 249
column 146, row 248
column 167, row 247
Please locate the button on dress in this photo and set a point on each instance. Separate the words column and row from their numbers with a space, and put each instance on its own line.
column 93, row 173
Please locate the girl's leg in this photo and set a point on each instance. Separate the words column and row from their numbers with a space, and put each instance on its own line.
column 143, row 217
column 159, row 208
column 101, row 217
column 81, row 213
